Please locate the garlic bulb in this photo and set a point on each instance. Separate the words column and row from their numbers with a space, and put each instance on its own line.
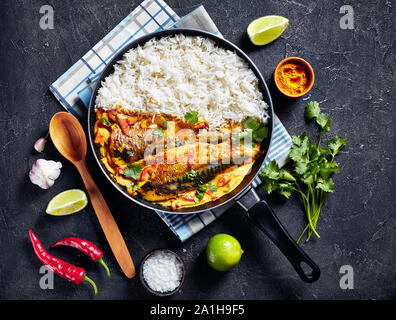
column 44, row 173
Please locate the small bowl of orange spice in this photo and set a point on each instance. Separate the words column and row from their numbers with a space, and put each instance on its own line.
column 294, row 77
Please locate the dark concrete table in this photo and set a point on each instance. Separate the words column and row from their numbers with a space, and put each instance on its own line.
column 355, row 84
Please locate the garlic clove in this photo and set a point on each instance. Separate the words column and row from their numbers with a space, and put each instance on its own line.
column 44, row 173
column 39, row 145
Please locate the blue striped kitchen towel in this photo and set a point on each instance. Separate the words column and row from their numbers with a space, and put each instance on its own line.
column 74, row 88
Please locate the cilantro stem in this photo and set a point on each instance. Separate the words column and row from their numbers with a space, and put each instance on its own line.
column 314, row 209
column 320, row 138
column 299, row 238
column 309, row 227
column 301, row 193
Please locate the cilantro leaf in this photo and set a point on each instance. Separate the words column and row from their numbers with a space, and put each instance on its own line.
column 260, row 133
column 305, row 143
column 327, row 168
column 191, row 117
column 256, row 129
column 133, row 171
column 239, row 135
column 300, row 168
column 312, row 110
column 308, row 178
column 251, row 123
column 271, row 170
column 314, row 153
column 324, row 122
column 302, row 143
column 212, row 187
column 285, row 189
column 325, row 151
column 313, row 168
column 296, row 140
column 267, row 183
column 286, row 174
column 326, row 185
column 336, row 145
column 297, row 155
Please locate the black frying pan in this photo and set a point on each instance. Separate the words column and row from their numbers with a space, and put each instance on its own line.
column 257, row 209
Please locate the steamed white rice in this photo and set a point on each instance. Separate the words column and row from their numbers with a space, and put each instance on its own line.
column 177, row 74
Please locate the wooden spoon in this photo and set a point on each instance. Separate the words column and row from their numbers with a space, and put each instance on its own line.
column 69, row 138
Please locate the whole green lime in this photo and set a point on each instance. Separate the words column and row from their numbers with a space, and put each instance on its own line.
column 223, row 252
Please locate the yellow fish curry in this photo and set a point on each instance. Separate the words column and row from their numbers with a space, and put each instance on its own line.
column 176, row 162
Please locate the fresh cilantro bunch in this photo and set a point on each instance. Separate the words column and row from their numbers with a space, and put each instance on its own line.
column 309, row 171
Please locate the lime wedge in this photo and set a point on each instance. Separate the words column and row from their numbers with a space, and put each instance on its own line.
column 266, row 29
column 67, row 202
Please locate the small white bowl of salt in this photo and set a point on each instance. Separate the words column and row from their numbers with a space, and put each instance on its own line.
column 162, row 272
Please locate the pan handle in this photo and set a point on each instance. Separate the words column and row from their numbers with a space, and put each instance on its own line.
column 264, row 217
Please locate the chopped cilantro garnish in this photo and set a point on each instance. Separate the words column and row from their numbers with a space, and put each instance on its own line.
column 105, row 122
column 199, row 194
column 165, row 122
column 256, row 129
column 251, row 123
column 191, row 175
column 212, row 187
column 191, row 117
column 133, row 171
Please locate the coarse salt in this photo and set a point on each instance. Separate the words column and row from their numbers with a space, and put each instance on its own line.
column 162, row 272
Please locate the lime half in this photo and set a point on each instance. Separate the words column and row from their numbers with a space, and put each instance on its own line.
column 266, row 29
column 223, row 252
column 67, row 202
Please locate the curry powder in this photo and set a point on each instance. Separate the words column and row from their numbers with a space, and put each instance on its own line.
column 292, row 78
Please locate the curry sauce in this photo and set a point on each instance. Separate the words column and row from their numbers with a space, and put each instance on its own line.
column 172, row 161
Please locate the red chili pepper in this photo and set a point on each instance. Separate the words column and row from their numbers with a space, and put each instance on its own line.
column 175, row 204
column 120, row 170
column 84, row 246
column 147, row 172
column 200, row 125
column 187, row 197
column 223, row 180
column 58, row 266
